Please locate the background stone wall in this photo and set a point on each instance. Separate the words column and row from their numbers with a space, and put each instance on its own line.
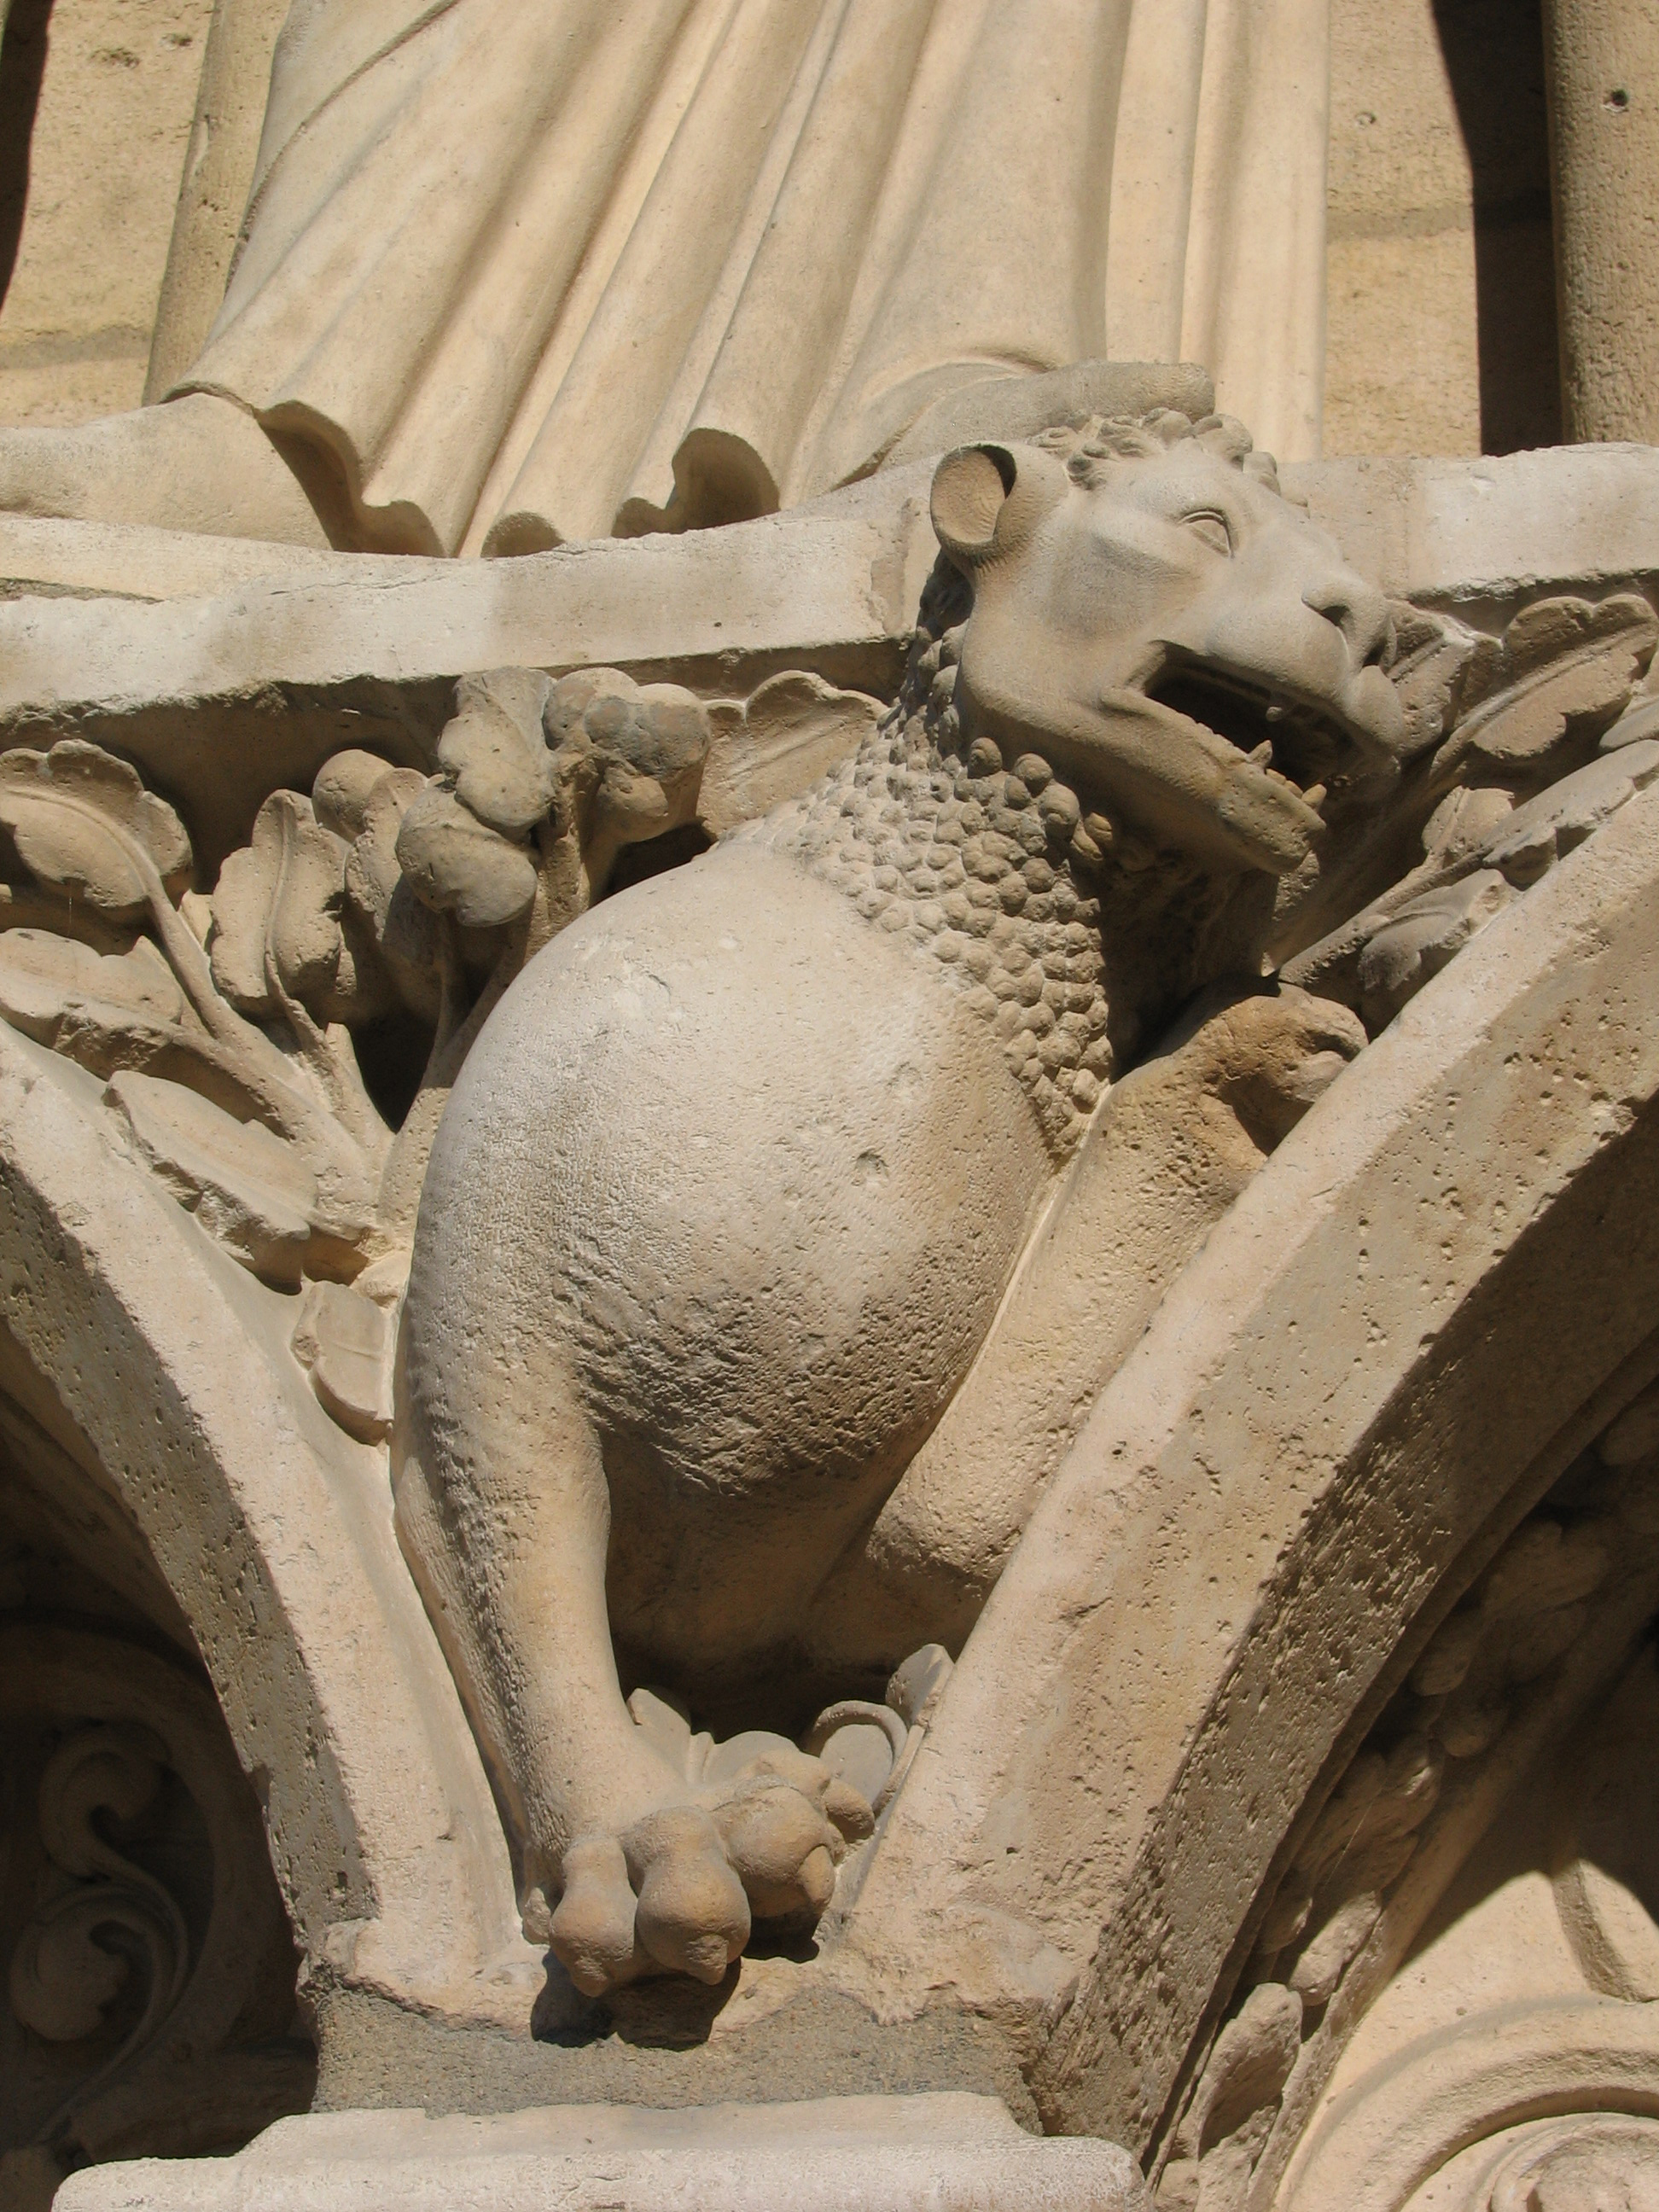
column 96, row 98
column 1442, row 289
column 1442, row 305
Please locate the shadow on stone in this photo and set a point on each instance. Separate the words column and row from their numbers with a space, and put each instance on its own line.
column 1494, row 56
column 22, row 67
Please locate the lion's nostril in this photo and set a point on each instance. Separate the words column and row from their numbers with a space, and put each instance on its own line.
column 1361, row 615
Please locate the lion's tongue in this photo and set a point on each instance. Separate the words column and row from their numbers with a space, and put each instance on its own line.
column 1187, row 787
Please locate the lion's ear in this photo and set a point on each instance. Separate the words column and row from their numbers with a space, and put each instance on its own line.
column 969, row 487
column 988, row 500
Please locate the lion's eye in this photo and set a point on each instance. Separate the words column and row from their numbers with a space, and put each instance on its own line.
column 1212, row 526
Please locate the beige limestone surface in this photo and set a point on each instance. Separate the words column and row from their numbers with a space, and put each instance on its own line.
column 1462, row 531
column 45, row 558
column 1077, row 1667
column 365, row 653
column 1440, row 316
column 116, row 92
column 943, row 2153
column 224, row 141
column 1402, row 368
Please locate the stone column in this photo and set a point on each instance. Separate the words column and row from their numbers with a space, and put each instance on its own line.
column 224, row 140
column 1601, row 63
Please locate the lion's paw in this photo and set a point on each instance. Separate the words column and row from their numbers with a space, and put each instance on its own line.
column 662, row 1897
column 757, row 1836
column 1272, row 1053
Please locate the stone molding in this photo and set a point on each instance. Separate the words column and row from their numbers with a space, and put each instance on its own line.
column 964, row 1890
column 273, row 1530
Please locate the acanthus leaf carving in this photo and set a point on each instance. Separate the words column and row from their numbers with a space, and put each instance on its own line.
column 100, row 1009
column 1515, row 786
column 383, row 889
column 1567, row 668
column 280, row 925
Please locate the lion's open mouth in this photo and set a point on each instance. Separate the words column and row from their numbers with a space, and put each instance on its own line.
column 1290, row 740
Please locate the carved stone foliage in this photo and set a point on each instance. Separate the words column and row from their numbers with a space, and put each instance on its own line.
column 148, row 2004
column 277, row 1051
column 1518, row 1653
column 1520, row 747
column 381, row 897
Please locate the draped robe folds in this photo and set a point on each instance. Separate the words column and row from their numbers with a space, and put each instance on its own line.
column 540, row 270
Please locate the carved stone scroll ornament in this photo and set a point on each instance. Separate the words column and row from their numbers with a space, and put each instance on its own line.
column 1545, row 2107
column 1579, row 2164
column 148, row 2004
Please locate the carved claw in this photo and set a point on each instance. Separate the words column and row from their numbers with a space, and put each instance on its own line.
column 593, row 1931
column 693, row 1916
column 1270, row 1055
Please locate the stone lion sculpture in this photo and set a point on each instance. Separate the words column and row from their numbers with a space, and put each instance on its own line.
column 789, row 1213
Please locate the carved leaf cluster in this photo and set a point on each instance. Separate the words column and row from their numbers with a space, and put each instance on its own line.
column 281, row 926
column 592, row 763
column 1567, row 668
column 226, row 1027
column 1538, row 737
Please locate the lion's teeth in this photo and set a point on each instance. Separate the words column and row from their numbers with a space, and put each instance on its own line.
column 1314, row 796
column 1263, row 753
column 1277, row 710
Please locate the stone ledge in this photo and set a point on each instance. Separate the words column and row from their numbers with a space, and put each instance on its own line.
column 225, row 692
column 949, row 2153
column 1460, row 533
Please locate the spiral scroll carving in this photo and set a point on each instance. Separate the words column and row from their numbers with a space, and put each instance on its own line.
column 149, row 1973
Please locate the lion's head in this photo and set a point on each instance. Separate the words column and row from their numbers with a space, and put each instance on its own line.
column 1173, row 634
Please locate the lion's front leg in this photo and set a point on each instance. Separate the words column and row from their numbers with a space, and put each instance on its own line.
column 633, row 1865
column 1174, row 1143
